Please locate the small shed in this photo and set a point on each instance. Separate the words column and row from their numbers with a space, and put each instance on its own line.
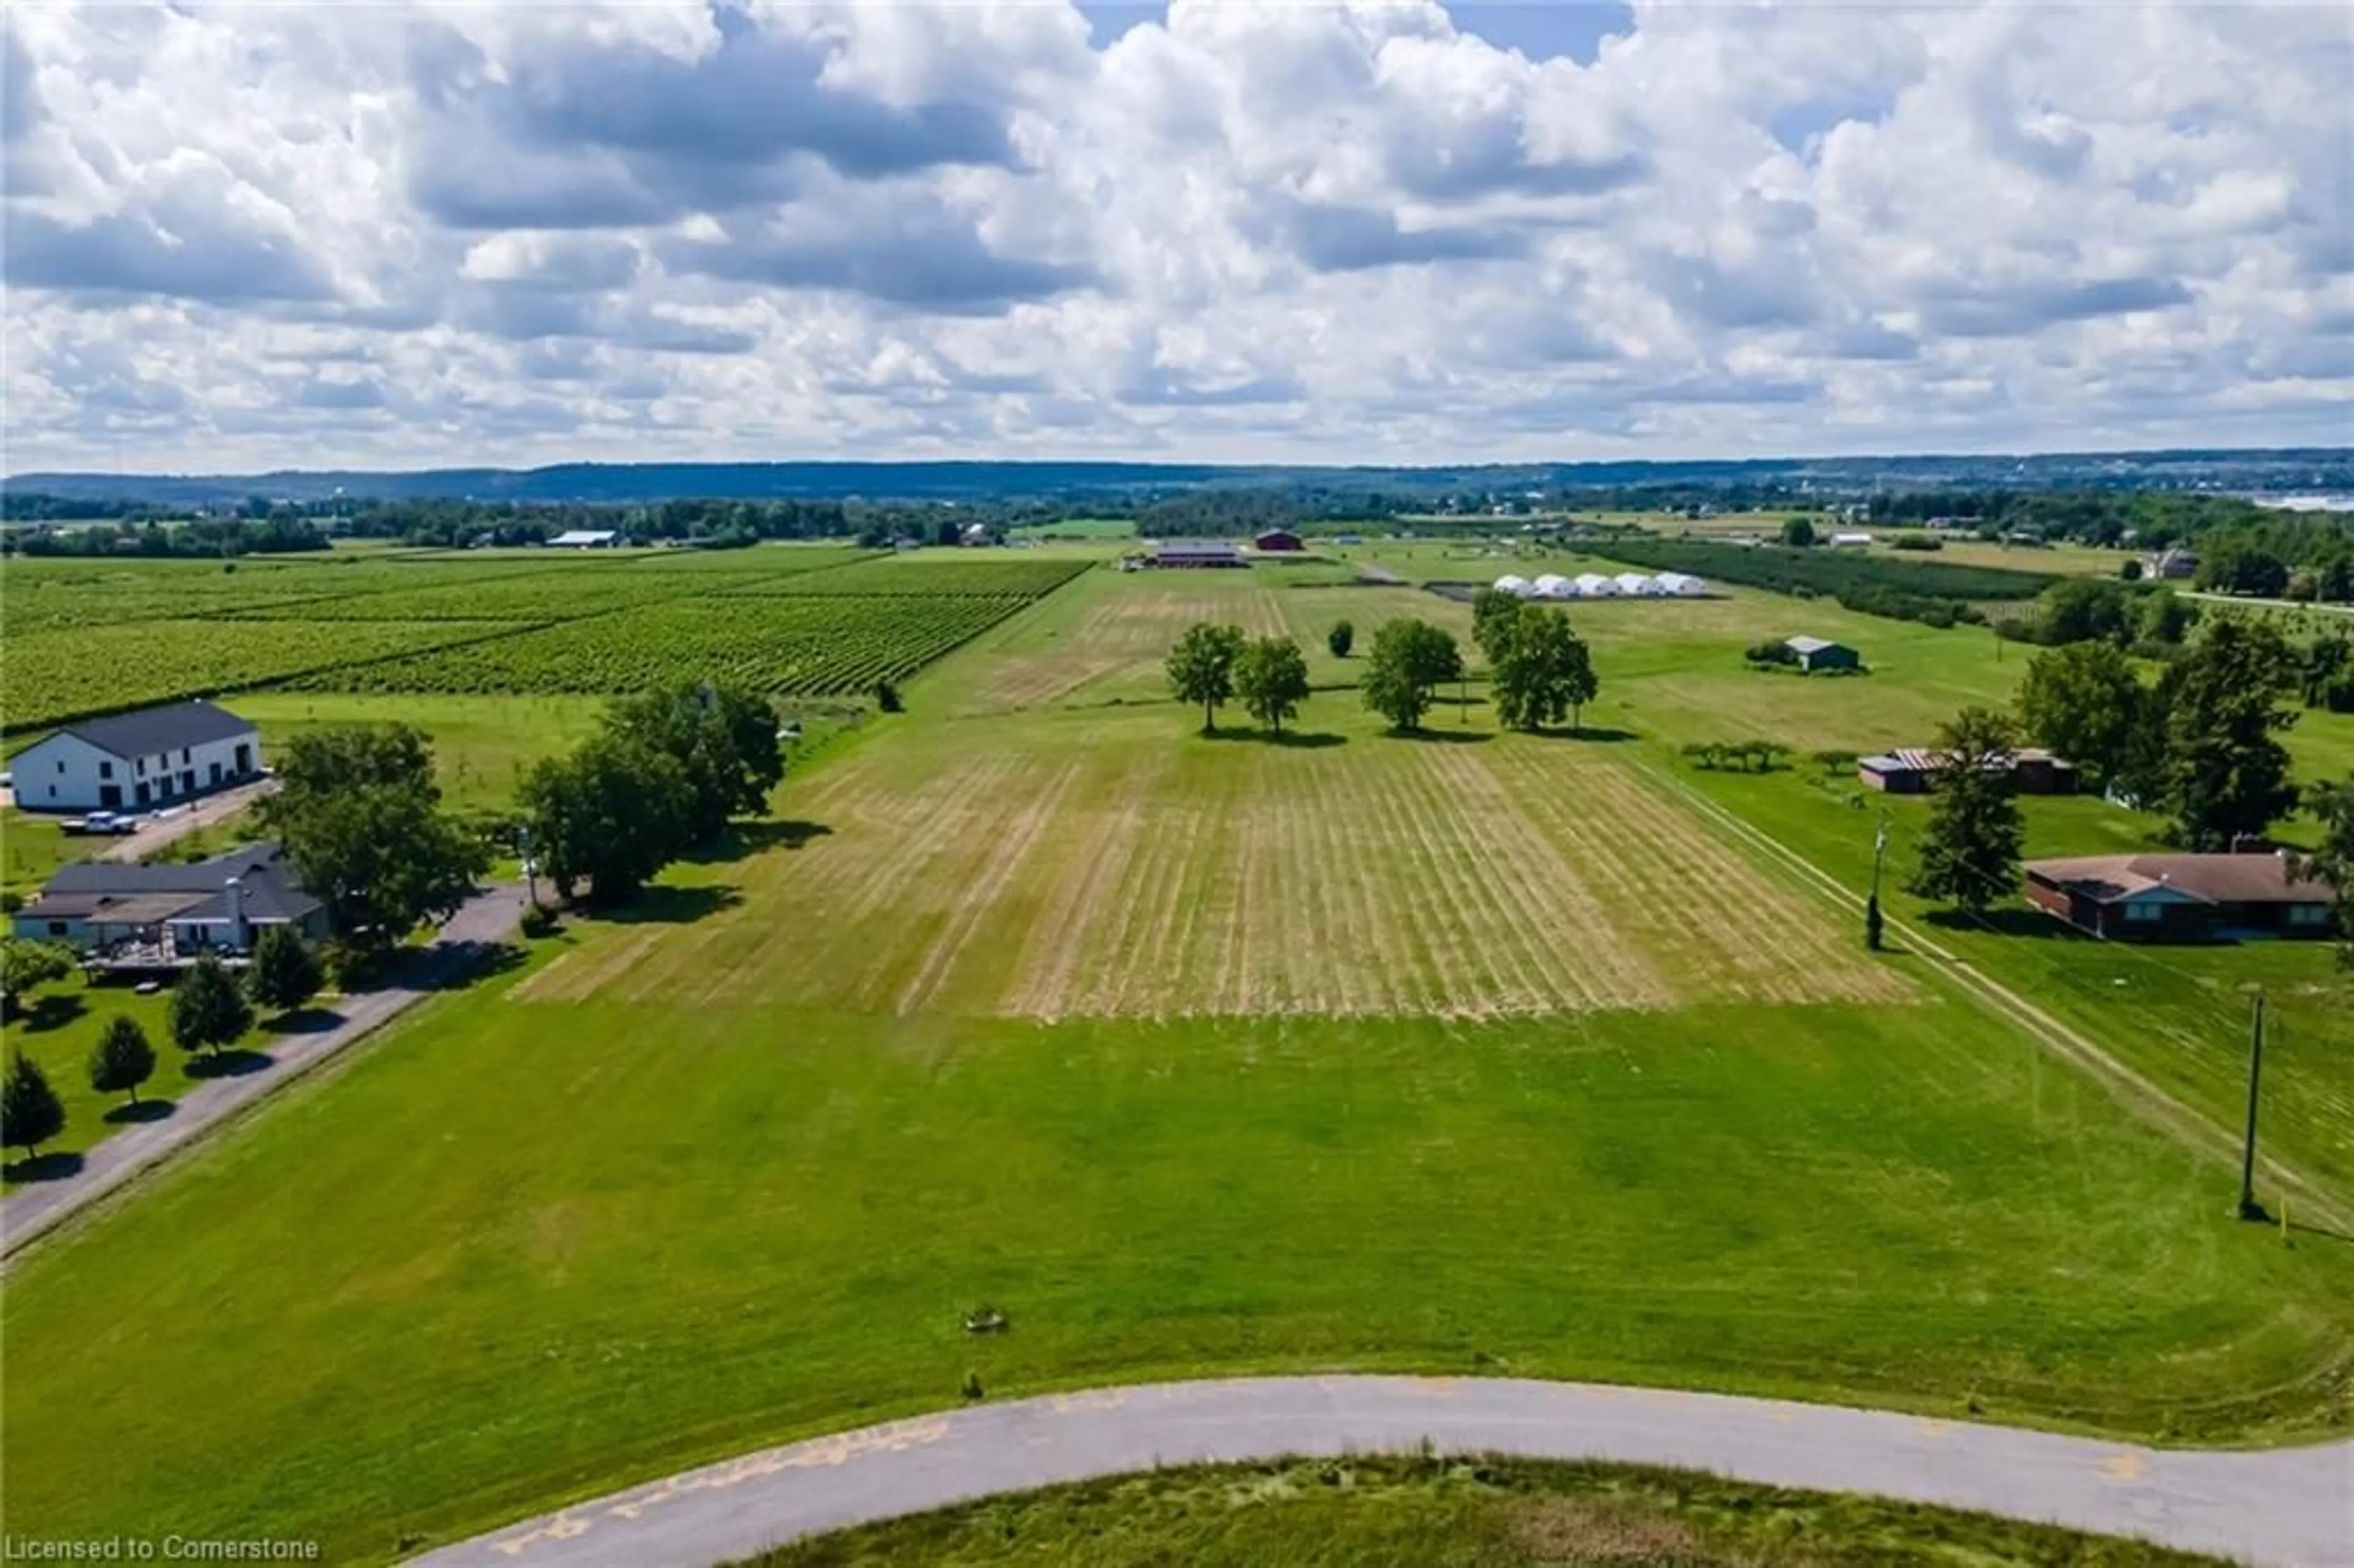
column 1815, row 653
column 1277, row 541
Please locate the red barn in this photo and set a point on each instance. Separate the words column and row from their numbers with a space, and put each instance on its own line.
column 1276, row 539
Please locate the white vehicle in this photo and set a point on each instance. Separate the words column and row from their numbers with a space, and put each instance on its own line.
column 100, row 823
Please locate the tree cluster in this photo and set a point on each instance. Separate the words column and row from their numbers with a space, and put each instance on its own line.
column 664, row 774
column 1213, row 665
column 1540, row 671
column 361, row 818
column 1736, row 756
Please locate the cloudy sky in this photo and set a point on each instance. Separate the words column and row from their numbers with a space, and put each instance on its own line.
column 390, row 234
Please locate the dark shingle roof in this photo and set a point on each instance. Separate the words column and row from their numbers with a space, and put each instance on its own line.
column 193, row 890
column 168, row 728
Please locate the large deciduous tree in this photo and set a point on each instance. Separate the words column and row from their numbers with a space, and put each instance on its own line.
column 1494, row 614
column 1271, row 677
column 1411, row 659
column 25, row 963
column 1201, row 668
column 1546, row 672
column 122, row 1059
column 207, row 1010
column 1969, row 855
column 723, row 737
column 2226, row 775
column 361, row 818
column 1340, row 639
column 30, row 1112
column 2086, row 702
column 611, row 814
column 2333, row 859
column 285, row 973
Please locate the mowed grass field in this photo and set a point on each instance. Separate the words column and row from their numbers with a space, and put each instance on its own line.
column 1485, row 1053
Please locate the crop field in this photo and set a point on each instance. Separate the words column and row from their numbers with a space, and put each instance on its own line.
column 934, row 576
column 49, row 677
column 818, row 644
column 1114, row 875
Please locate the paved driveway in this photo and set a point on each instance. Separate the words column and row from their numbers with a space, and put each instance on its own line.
column 466, row 939
column 2289, row 1507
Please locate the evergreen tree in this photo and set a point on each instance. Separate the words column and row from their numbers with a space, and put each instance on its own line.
column 2225, row 774
column 1969, row 857
column 285, row 973
column 1271, row 677
column 207, row 1011
column 30, row 1112
column 122, row 1059
column 1201, row 668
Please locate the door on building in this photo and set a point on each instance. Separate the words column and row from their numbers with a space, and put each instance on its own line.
column 216, row 774
column 142, row 795
column 244, row 759
column 110, row 797
column 189, row 781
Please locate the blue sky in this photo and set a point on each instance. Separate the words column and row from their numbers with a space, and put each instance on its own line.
column 406, row 234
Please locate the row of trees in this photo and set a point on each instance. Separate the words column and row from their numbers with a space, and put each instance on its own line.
column 1540, row 672
column 209, row 1010
column 663, row 776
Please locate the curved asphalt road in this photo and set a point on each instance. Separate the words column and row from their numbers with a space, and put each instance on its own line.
column 2287, row 1506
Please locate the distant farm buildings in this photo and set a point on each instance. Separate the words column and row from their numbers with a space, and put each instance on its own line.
column 2182, row 897
column 1196, row 554
column 1912, row 770
column 1594, row 585
column 1851, row 541
column 1277, row 541
column 2173, row 565
column 587, row 539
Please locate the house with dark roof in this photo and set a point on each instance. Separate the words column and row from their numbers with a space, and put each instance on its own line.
column 2182, row 897
column 138, row 761
column 176, row 911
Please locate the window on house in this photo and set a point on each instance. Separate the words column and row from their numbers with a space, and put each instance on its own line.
column 2308, row 913
column 2143, row 913
column 61, row 765
column 183, row 754
column 56, row 927
column 139, row 766
column 106, row 771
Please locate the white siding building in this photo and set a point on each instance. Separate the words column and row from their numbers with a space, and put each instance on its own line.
column 136, row 762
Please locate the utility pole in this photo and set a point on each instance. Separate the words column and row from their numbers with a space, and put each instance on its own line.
column 2249, row 1208
column 1871, row 905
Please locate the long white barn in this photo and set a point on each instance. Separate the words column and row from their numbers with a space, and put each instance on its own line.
column 133, row 762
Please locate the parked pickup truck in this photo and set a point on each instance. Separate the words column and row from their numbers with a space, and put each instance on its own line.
column 100, row 823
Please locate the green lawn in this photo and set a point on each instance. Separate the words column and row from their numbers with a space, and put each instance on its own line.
column 481, row 745
column 1372, row 1511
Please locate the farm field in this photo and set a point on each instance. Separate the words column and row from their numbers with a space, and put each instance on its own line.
column 1451, row 1513
column 1480, row 1053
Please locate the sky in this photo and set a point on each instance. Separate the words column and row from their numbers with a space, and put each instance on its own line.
column 415, row 233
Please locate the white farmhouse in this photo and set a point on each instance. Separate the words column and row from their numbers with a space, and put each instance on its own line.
column 132, row 762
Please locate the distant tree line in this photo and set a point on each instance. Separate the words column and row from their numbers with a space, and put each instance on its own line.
column 153, row 537
column 1933, row 592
